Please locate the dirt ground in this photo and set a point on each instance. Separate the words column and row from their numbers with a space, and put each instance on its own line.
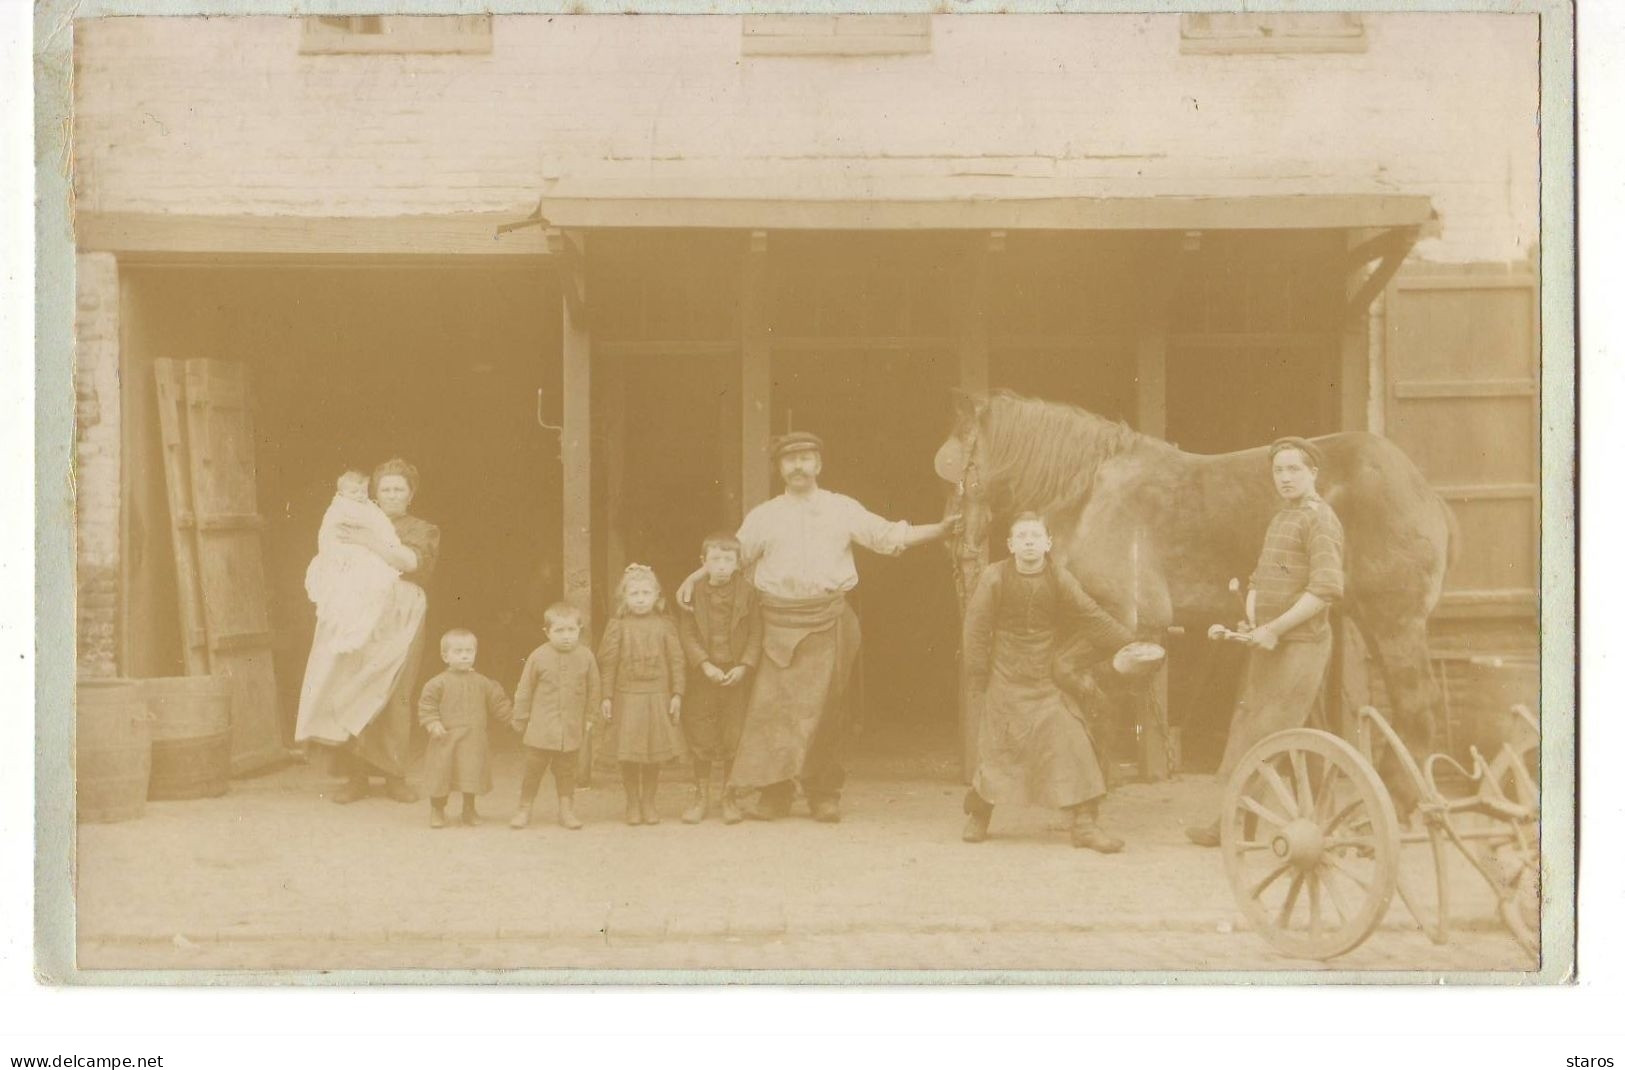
column 274, row 876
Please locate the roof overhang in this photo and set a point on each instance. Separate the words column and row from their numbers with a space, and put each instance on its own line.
column 586, row 210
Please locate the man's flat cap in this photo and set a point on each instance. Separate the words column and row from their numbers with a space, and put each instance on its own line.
column 795, row 442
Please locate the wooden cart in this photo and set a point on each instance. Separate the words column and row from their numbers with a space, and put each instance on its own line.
column 1312, row 844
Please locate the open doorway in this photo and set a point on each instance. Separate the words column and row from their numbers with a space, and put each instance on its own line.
column 351, row 366
column 882, row 415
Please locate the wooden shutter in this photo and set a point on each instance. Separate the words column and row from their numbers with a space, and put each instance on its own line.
column 208, row 436
column 1463, row 400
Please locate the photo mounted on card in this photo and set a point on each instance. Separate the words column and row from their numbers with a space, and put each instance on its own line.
column 791, row 494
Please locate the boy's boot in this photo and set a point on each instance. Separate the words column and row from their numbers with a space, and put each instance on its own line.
column 980, row 813
column 651, row 781
column 354, row 790
column 567, row 812
column 397, row 788
column 702, row 794
column 629, row 781
column 521, row 816
column 471, row 815
column 731, row 814
column 437, row 813
column 1086, row 830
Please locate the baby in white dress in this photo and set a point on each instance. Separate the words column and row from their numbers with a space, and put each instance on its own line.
column 350, row 584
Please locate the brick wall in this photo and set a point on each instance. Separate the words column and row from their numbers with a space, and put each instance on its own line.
column 225, row 116
column 96, row 462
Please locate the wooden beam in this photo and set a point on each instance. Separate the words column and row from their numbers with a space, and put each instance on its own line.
column 1360, row 299
column 940, row 206
column 756, row 374
column 466, row 234
column 576, row 455
column 1354, row 348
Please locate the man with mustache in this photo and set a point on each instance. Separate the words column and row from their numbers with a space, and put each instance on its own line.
column 797, row 551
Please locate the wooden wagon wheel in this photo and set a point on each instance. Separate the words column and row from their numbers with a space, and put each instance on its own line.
column 1310, row 843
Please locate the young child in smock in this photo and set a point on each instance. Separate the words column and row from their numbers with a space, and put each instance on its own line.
column 350, row 584
column 641, row 659
column 558, row 694
column 455, row 708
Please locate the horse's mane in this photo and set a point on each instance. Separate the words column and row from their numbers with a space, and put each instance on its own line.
column 1044, row 455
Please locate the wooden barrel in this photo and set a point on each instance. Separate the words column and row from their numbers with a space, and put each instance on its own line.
column 112, row 750
column 191, row 736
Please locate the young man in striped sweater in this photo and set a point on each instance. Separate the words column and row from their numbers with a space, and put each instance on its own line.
column 1298, row 578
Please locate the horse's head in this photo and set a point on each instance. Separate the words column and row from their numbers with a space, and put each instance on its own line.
column 960, row 465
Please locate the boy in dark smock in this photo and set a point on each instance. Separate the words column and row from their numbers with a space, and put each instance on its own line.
column 722, row 640
column 1033, row 746
column 1298, row 578
column 559, row 691
column 454, row 709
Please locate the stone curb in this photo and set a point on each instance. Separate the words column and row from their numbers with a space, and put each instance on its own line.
column 762, row 925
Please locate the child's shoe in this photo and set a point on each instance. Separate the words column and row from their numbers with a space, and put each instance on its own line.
column 702, row 802
column 1086, row 830
column 471, row 817
column 649, row 787
column 567, row 813
column 730, row 808
column 520, row 818
column 437, row 817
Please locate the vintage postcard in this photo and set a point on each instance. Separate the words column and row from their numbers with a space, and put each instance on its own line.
column 800, row 493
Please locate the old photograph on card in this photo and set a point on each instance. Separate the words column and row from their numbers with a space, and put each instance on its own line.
column 999, row 495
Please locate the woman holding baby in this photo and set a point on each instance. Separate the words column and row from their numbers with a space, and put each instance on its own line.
column 360, row 682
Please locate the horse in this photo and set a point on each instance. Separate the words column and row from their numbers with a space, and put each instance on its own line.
column 1155, row 535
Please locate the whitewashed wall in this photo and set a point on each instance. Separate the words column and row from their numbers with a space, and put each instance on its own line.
column 225, row 116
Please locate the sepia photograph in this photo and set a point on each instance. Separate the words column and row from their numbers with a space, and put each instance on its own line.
column 929, row 496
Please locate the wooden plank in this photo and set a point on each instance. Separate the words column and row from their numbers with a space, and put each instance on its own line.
column 676, row 350
column 1162, row 266
column 169, row 376
column 938, row 207
column 470, row 234
column 861, row 344
column 1470, row 491
column 1249, row 340
column 756, row 374
column 231, row 557
column 1468, row 280
column 576, row 450
column 1483, row 388
column 1019, row 343
column 1468, row 432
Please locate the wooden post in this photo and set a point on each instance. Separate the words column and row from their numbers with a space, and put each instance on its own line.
column 756, row 375
column 610, row 387
column 1354, row 357
column 970, row 323
column 576, row 440
column 1151, row 418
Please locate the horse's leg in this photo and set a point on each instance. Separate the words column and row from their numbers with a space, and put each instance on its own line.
column 1401, row 649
